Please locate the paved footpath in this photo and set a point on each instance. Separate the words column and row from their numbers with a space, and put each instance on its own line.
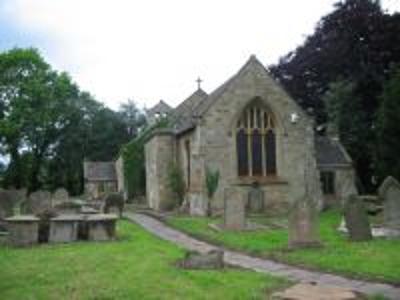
column 262, row 265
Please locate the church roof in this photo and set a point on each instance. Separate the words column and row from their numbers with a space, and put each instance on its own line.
column 196, row 105
column 99, row 171
column 160, row 108
column 330, row 152
column 183, row 116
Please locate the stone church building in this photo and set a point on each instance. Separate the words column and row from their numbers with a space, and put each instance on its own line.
column 253, row 133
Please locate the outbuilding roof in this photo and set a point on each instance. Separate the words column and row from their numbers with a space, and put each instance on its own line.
column 330, row 152
column 99, row 171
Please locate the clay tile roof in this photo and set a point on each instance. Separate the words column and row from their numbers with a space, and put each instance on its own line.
column 331, row 152
column 99, row 171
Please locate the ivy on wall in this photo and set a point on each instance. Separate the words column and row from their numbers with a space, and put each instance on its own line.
column 133, row 158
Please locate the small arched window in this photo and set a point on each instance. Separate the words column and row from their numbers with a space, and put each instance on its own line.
column 256, row 143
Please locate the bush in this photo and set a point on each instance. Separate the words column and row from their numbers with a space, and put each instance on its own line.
column 114, row 200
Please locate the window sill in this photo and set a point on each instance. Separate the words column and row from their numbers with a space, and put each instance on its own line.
column 261, row 180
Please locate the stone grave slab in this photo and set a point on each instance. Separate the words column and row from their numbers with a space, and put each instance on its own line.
column 306, row 291
column 23, row 230
column 64, row 228
column 101, row 227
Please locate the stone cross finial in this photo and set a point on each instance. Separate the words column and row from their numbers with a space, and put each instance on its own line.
column 199, row 81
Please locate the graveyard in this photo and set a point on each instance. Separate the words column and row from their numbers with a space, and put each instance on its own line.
column 137, row 263
column 374, row 260
column 200, row 150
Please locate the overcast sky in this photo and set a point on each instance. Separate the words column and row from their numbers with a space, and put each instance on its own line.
column 154, row 49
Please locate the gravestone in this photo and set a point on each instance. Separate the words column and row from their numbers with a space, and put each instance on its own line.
column 23, row 230
column 255, row 202
column 389, row 193
column 234, row 209
column 64, row 228
column 356, row 219
column 9, row 199
column 303, row 224
column 213, row 259
column 38, row 202
column 59, row 196
column 198, row 205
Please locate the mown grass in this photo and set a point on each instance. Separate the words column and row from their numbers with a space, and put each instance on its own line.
column 138, row 266
column 375, row 260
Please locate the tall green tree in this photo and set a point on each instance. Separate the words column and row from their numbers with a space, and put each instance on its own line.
column 349, row 120
column 133, row 118
column 48, row 126
column 357, row 42
column 388, row 129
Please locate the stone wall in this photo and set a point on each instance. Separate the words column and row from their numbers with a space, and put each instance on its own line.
column 119, row 170
column 344, row 185
column 97, row 189
column 214, row 142
column 159, row 153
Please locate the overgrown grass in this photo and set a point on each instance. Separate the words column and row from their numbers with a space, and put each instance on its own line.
column 376, row 260
column 139, row 266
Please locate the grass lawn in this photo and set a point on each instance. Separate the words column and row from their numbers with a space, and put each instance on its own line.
column 139, row 266
column 376, row 260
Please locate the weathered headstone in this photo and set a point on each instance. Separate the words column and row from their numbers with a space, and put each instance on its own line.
column 38, row 202
column 197, row 205
column 23, row 230
column 64, row 228
column 356, row 218
column 255, row 202
column 303, row 224
column 9, row 199
column 234, row 209
column 59, row 196
column 389, row 192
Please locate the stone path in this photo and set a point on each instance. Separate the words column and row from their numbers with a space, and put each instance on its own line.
column 262, row 265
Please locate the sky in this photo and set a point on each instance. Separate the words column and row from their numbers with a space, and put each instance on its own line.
column 152, row 50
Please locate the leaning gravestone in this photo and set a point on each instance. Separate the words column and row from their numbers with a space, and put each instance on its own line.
column 234, row 209
column 356, row 218
column 38, row 202
column 303, row 224
column 59, row 196
column 389, row 193
column 256, row 199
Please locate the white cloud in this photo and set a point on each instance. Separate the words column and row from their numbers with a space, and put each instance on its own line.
column 148, row 50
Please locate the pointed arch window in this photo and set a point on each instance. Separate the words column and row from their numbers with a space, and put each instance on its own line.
column 256, row 143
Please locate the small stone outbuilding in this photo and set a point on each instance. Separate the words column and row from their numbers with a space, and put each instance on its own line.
column 100, row 178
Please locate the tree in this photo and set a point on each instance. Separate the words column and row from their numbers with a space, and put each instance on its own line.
column 133, row 118
column 357, row 42
column 346, row 114
column 48, row 126
column 388, row 129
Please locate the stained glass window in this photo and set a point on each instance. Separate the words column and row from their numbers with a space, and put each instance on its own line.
column 256, row 143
